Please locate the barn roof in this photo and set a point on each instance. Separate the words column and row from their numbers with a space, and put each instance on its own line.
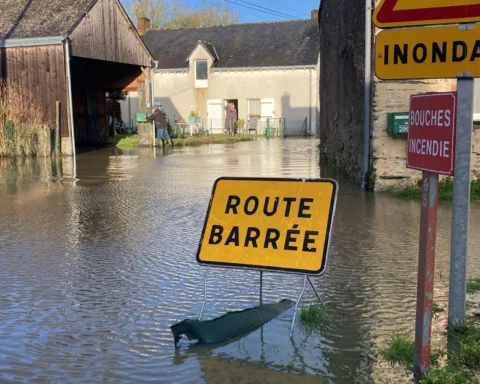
column 20, row 19
column 291, row 43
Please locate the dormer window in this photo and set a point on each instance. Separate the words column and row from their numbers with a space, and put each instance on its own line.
column 201, row 74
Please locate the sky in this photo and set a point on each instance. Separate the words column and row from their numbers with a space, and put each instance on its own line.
column 268, row 10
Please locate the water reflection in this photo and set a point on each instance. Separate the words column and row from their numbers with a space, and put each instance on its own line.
column 98, row 260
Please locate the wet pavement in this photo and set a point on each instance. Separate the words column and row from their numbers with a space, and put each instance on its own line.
column 96, row 268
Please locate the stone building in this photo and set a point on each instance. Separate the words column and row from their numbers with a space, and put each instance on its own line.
column 342, row 74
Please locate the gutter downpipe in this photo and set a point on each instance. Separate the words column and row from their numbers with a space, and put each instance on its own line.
column 153, row 96
column 310, row 102
column 70, row 99
column 367, row 93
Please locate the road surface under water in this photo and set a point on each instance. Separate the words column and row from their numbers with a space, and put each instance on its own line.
column 94, row 270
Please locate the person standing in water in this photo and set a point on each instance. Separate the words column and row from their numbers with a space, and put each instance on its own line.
column 160, row 119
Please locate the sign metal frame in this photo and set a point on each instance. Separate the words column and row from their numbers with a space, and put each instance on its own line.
column 262, row 269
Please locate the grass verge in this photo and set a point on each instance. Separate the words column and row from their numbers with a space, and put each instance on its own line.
column 463, row 363
column 445, row 191
column 130, row 141
column 446, row 376
column 473, row 284
column 126, row 142
column 468, row 355
column 211, row 139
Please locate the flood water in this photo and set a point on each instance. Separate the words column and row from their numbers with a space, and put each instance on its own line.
column 96, row 267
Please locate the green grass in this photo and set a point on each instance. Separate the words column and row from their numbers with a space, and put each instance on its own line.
column 436, row 309
column 468, row 355
column 473, row 284
column 445, row 191
column 400, row 350
column 447, row 376
column 316, row 315
column 463, row 364
column 211, row 139
column 126, row 142
column 130, row 141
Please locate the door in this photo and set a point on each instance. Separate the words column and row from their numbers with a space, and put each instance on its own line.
column 267, row 111
column 215, row 115
column 267, row 108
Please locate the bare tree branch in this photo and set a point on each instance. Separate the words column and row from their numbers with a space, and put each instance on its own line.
column 180, row 14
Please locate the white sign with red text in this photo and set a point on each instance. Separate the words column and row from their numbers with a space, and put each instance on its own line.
column 431, row 132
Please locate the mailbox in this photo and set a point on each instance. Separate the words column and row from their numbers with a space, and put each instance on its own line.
column 397, row 123
column 141, row 117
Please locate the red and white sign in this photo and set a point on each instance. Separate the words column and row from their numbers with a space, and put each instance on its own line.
column 402, row 13
column 431, row 132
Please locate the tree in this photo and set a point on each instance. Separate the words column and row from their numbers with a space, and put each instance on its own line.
column 205, row 16
column 180, row 14
column 117, row 95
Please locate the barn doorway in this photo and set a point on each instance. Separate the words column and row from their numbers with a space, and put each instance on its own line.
column 91, row 81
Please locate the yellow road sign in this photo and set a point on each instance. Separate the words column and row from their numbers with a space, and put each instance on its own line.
column 276, row 224
column 402, row 13
column 428, row 53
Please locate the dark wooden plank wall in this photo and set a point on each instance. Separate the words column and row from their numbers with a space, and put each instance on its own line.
column 40, row 72
column 106, row 34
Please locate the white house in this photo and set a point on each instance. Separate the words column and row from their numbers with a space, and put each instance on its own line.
column 268, row 69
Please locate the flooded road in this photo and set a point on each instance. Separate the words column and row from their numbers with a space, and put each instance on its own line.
column 96, row 268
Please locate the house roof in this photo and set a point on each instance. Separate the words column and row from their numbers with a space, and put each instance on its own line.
column 209, row 48
column 291, row 43
column 20, row 19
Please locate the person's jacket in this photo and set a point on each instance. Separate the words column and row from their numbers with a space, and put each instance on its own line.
column 159, row 117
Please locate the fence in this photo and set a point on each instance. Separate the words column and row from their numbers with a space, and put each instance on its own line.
column 269, row 127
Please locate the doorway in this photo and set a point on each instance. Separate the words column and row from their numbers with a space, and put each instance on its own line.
column 235, row 103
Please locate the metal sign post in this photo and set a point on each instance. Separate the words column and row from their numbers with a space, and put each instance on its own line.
column 426, row 270
column 461, row 203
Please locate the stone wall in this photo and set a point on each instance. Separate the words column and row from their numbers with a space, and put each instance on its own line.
column 389, row 153
column 342, row 72
column 342, row 49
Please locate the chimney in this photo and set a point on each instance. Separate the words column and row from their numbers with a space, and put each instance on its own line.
column 143, row 25
column 314, row 15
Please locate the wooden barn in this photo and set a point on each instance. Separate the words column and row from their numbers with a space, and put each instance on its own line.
column 73, row 52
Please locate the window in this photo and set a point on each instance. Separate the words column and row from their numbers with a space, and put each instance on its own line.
column 201, row 74
column 254, row 107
